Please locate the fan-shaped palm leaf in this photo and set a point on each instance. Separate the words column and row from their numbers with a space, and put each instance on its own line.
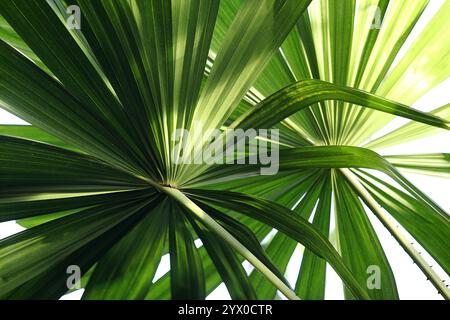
column 98, row 187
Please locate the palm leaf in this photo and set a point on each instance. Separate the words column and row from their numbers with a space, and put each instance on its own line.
column 93, row 177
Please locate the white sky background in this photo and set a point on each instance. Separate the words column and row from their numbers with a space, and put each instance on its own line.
column 412, row 284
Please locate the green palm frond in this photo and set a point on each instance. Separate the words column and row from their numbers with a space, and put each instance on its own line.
column 93, row 177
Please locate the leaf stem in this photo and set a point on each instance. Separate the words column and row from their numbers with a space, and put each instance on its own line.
column 401, row 239
column 230, row 239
